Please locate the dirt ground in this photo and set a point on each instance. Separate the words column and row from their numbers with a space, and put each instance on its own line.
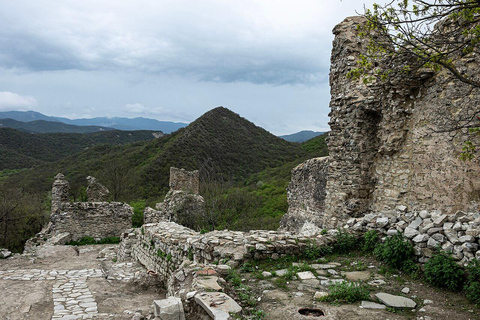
column 33, row 299
column 283, row 303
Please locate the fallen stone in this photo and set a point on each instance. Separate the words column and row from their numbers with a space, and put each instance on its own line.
column 440, row 220
column 320, row 294
column 217, row 304
column 357, row 275
column 410, row 232
column 266, row 274
column 306, row 275
column 207, row 283
column 372, row 305
column 377, row 282
column 393, row 301
column 169, row 309
column 421, row 238
column 281, row 272
column 4, row 253
column 406, row 290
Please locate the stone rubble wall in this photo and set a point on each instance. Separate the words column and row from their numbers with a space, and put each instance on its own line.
column 163, row 247
column 181, row 179
column 95, row 219
column 458, row 233
column 386, row 147
column 306, row 196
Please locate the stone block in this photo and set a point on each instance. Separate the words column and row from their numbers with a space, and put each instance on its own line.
column 169, row 309
column 217, row 304
column 395, row 301
column 410, row 232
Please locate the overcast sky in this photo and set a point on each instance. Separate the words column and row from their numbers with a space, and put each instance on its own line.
column 171, row 60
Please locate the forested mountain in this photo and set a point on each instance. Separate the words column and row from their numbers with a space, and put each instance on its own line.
column 220, row 142
column 23, row 150
column 42, row 126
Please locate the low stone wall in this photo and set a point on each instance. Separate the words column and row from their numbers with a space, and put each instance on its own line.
column 163, row 247
column 95, row 219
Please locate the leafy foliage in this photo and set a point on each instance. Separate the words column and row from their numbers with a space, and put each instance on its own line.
column 370, row 240
column 442, row 271
column 418, row 33
column 316, row 146
column 395, row 251
column 344, row 242
column 472, row 285
column 137, row 217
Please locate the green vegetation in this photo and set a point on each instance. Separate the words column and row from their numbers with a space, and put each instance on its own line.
column 347, row 292
column 370, row 241
column 24, row 150
column 345, row 242
column 244, row 169
column 90, row 240
column 246, row 296
column 472, row 285
column 442, row 271
column 316, row 146
column 137, row 217
column 395, row 251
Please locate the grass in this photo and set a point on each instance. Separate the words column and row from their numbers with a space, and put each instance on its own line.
column 347, row 292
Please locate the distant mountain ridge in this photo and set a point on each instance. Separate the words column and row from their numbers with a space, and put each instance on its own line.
column 42, row 126
column 301, row 136
column 119, row 123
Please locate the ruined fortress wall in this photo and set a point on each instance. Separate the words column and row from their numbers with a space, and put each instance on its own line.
column 163, row 246
column 95, row 219
column 181, row 179
column 385, row 144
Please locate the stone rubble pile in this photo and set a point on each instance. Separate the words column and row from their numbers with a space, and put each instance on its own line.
column 457, row 234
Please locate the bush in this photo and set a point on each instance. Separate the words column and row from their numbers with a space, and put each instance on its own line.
column 370, row 240
column 313, row 251
column 137, row 217
column 345, row 242
column 442, row 271
column 347, row 292
column 472, row 287
column 395, row 251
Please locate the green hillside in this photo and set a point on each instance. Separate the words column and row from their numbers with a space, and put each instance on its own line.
column 23, row 150
column 220, row 142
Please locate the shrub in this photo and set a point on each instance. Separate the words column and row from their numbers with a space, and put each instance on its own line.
column 370, row 240
column 442, row 271
column 313, row 251
column 345, row 242
column 137, row 217
column 347, row 292
column 395, row 251
column 472, row 287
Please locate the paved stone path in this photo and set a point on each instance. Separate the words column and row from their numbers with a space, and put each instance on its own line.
column 71, row 297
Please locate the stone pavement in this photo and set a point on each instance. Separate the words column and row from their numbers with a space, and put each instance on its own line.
column 72, row 298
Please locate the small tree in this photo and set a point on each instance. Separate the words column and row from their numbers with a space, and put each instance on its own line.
column 423, row 33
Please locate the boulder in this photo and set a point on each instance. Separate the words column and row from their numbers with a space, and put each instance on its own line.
column 393, row 301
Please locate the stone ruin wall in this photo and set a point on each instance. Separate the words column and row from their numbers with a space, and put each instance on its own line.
column 181, row 179
column 163, row 246
column 97, row 219
column 306, row 196
column 385, row 146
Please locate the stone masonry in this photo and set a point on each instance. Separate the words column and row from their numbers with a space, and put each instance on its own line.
column 306, row 196
column 181, row 179
column 75, row 220
column 163, row 247
column 391, row 143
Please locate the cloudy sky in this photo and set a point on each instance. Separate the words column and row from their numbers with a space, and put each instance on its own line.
column 267, row 60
